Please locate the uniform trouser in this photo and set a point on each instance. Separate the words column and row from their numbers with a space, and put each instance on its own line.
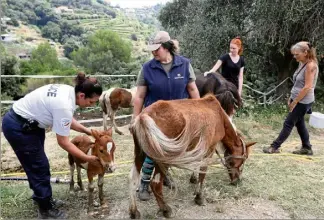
column 295, row 118
column 29, row 148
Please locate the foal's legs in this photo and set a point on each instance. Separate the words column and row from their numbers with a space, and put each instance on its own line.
column 90, row 194
column 200, row 199
column 100, row 186
column 156, row 185
column 72, row 167
column 113, row 112
column 79, row 178
column 104, row 122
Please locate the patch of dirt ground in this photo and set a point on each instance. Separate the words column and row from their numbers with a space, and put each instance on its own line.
column 219, row 203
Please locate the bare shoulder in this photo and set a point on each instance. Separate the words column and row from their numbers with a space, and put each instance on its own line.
column 311, row 66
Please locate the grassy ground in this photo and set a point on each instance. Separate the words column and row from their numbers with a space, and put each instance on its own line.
column 277, row 186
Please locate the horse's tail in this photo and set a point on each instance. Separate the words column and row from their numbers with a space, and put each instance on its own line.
column 171, row 151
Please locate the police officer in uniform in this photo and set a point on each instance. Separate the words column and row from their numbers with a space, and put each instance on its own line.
column 24, row 127
column 167, row 76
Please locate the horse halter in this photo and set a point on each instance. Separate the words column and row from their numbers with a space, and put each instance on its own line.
column 243, row 157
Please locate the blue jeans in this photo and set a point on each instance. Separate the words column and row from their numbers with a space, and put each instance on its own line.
column 29, row 148
column 295, row 118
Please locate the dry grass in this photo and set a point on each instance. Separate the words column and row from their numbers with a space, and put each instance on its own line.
column 274, row 186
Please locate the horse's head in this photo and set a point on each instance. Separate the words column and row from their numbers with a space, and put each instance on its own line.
column 226, row 92
column 235, row 158
column 104, row 147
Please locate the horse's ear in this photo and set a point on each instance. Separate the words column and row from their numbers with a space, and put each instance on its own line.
column 249, row 148
column 95, row 133
column 109, row 131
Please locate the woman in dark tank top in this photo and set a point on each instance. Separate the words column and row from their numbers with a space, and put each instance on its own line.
column 232, row 64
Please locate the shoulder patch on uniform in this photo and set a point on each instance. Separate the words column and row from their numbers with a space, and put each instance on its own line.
column 66, row 123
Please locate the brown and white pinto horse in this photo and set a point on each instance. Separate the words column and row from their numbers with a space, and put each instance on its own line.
column 184, row 134
column 113, row 99
column 103, row 147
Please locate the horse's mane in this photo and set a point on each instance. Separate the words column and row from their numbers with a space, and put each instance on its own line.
column 225, row 91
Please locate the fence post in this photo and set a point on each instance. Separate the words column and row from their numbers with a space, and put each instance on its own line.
column 264, row 100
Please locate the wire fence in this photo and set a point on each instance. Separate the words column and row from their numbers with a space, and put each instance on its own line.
column 267, row 98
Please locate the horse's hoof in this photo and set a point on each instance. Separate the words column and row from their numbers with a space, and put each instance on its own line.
column 119, row 132
column 193, row 179
column 104, row 205
column 199, row 200
column 135, row 214
column 90, row 211
column 96, row 204
column 167, row 212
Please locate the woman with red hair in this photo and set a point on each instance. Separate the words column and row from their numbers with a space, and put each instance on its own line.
column 232, row 64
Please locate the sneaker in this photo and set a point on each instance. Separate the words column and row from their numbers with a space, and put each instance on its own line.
column 303, row 151
column 52, row 213
column 271, row 150
column 143, row 193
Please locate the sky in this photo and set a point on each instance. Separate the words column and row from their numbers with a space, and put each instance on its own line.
column 136, row 3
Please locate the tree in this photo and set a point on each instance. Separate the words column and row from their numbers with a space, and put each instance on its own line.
column 268, row 29
column 104, row 52
column 52, row 30
column 44, row 59
column 71, row 44
column 9, row 66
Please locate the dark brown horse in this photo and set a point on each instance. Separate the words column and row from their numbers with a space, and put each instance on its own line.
column 184, row 134
column 225, row 91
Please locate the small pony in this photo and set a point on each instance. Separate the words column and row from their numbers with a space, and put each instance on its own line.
column 104, row 148
column 225, row 91
column 184, row 134
column 113, row 99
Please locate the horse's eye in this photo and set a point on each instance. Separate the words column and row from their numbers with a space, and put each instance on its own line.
column 101, row 151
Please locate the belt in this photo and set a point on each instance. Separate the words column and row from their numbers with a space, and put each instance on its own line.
column 18, row 117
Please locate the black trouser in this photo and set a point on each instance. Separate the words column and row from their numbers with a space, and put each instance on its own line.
column 29, row 148
column 295, row 118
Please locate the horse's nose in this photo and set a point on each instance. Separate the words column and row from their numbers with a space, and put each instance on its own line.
column 236, row 181
column 111, row 168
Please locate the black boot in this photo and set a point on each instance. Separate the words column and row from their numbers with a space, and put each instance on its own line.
column 52, row 213
column 143, row 193
column 55, row 202
column 49, row 210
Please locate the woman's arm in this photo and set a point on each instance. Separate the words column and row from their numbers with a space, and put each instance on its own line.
column 75, row 125
column 310, row 72
column 65, row 143
column 193, row 90
column 240, row 81
column 216, row 66
column 139, row 100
